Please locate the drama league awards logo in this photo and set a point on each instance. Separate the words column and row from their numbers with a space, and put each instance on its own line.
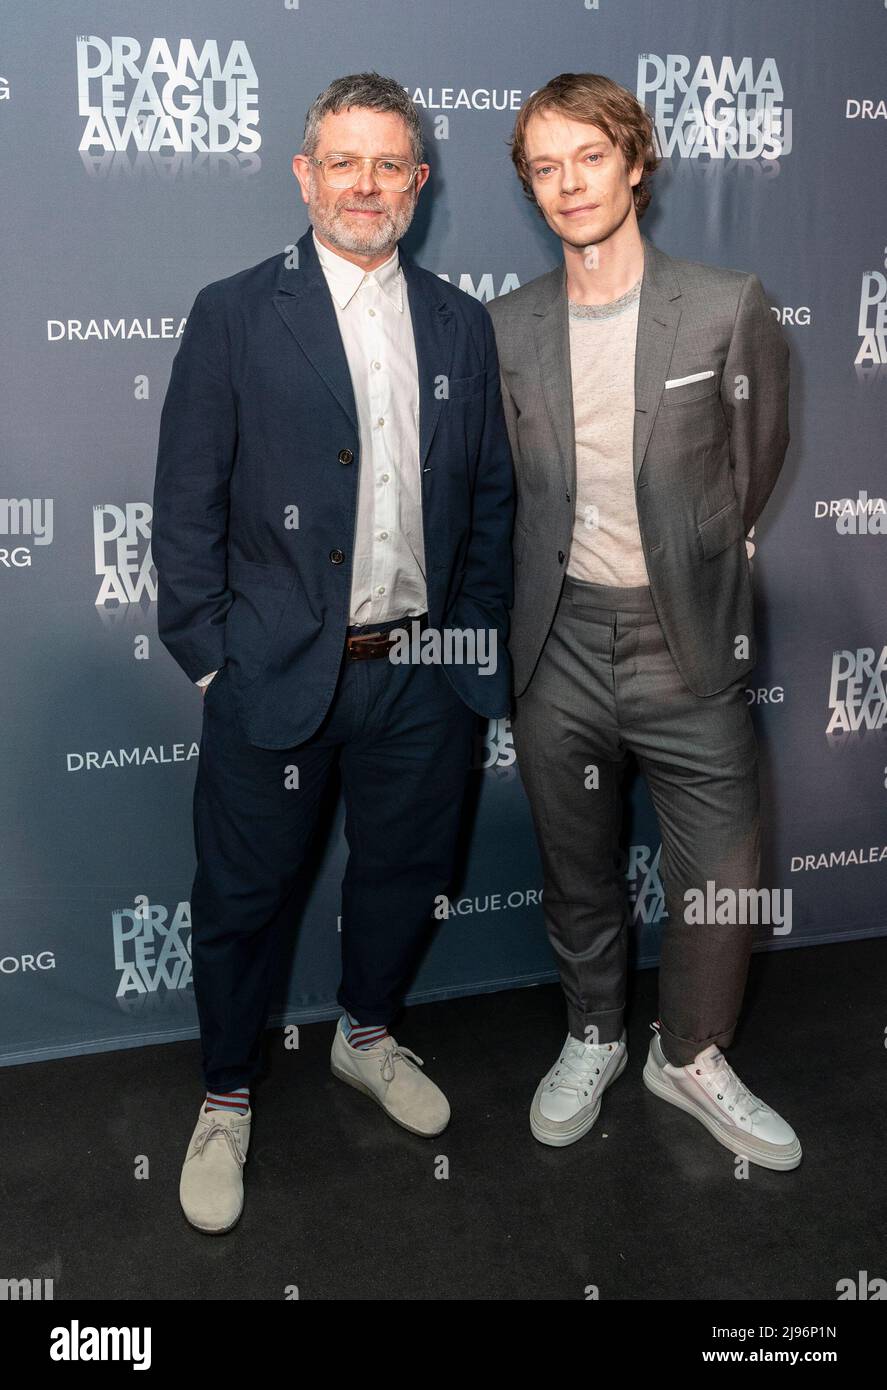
column 872, row 325
column 191, row 100
column 726, row 109
column 152, row 947
column 857, row 696
column 122, row 547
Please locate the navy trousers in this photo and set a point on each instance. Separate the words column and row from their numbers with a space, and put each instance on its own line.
column 402, row 738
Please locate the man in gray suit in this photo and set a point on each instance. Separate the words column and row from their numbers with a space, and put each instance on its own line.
column 646, row 401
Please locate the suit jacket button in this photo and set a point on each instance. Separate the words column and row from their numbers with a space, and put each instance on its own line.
column 346, row 456
column 337, row 556
column 561, row 557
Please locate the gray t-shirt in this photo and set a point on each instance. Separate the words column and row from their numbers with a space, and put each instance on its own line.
column 606, row 539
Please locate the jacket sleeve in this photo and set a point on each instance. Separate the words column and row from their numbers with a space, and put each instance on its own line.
column 488, row 584
column 754, row 394
column 195, row 455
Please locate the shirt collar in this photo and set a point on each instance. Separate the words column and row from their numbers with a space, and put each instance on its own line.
column 345, row 278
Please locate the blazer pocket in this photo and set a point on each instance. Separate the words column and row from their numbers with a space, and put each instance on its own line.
column 691, row 390
column 252, row 572
column 721, row 529
column 461, row 386
column 215, row 680
column 261, row 596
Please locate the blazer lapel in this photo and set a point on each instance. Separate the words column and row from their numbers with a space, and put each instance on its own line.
column 434, row 334
column 659, row 313
column 552, row 337
column 303, row 300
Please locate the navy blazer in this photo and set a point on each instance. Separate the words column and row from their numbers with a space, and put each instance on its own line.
column 259, row 420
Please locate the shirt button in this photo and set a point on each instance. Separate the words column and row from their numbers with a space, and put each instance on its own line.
column 384, row 477
column 336, row 557
column 346, row 456
column 383, row 535
column 377, row 366
column 381, row 589
column 381, row 419
column 372, row 313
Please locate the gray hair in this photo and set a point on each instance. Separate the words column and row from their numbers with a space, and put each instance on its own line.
column 366, row 89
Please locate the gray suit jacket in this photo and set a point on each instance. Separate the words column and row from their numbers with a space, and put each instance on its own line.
column 706, row 454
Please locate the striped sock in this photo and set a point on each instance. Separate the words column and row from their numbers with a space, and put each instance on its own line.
column 235, row 1102
column 359, row 1037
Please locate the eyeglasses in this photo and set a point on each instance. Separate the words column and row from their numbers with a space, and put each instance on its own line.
column 343, row 171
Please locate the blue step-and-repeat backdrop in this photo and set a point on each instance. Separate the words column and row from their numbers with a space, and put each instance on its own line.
column 146, row 151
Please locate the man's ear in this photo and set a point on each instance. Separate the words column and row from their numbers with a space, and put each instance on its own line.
column 301, row 169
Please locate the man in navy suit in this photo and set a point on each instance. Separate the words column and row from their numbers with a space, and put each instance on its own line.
column 333, row 471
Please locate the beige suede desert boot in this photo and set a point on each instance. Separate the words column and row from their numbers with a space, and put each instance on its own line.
column 211, row 1186
column 389, row 1074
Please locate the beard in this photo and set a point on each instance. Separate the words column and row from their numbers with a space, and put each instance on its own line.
column 372, row 240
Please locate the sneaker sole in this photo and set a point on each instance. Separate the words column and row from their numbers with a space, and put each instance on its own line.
column 560, row 1138
column 365, row 1090
column 211, row 1230
column 743, row 1145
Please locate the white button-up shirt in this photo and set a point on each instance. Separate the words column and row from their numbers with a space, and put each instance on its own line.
column 388, row 565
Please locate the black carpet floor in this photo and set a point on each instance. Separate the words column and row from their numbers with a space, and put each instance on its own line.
column 343, row 1204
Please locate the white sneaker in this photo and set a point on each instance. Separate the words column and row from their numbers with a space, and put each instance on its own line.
column 211, row 1185
column 568, row 1099
column 387, row 1073
column 710, row 1089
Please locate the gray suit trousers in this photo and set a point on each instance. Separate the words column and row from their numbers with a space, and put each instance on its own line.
column 606, row 686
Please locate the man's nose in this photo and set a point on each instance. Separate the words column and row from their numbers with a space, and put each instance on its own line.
column 366, row 183
column 571, row 180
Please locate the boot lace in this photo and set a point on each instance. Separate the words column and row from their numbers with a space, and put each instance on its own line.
column 389, row 1061
column 232, row 1140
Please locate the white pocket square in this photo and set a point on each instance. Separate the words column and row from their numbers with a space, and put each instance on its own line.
column 685, row 380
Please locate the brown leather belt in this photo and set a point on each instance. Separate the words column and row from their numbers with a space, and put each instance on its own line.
column 364, row 646
column 369, row 645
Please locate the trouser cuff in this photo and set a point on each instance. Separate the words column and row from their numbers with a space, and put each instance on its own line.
column 682, row 1051
column 609, row 1025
